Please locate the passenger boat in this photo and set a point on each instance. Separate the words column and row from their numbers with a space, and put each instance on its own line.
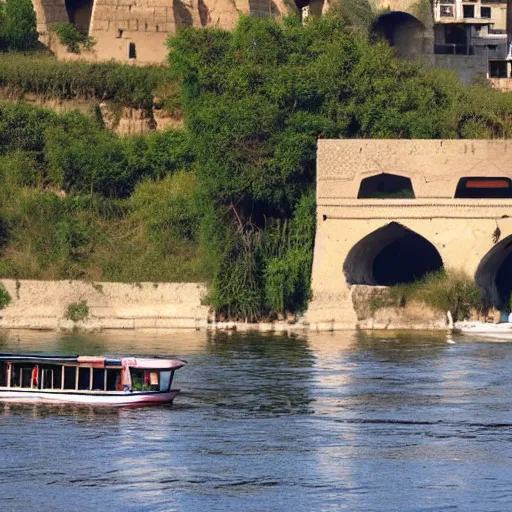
column 87, row 379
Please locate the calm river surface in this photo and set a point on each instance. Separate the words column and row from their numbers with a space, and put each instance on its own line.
column 339, row 421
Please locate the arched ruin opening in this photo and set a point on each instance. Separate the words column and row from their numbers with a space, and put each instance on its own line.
column 484, row 188
column 404, row 32
column 494, row 274
column 386, row 186
column 80, row 13
column 391, row 255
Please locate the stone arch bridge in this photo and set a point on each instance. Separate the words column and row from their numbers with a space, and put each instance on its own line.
column 389, row 211
column 136, row 30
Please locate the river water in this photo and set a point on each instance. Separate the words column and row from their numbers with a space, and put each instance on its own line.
column 335, row 421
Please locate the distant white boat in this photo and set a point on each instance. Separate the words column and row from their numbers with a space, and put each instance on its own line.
column 501, row 331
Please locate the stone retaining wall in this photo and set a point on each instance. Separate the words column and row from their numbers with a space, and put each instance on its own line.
column 44, row 304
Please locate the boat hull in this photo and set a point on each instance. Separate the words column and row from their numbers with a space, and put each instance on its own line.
column 88, row 398
column 501, row 331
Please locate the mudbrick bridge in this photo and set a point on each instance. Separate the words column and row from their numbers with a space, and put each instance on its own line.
column 389, row 211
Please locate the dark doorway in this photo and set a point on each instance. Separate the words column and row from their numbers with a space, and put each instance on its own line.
column 484, row 188
column 386, row 186
column 494, row 274
column 391, row 255
column 80, row 13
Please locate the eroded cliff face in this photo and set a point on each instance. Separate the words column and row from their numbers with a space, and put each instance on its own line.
column 136, row 30
column 123, row 120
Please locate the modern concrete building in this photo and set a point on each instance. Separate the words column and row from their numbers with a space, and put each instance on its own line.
column 389, row 211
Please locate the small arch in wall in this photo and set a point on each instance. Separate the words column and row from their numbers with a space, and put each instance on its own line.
column 482, row 187
column 391, row 255
column 494, row 274
column 386, row 186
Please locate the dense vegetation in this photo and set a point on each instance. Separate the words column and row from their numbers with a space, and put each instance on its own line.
column 77, row 201
column 231, row 197
column 44, row 75
column 443, row 291
column 257, row 99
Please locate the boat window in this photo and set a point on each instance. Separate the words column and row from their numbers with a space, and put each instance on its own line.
column 51, row 377
column 113, row 380
column 3, row 374
column 145, row 380
column 21, row 376
column 69, row 377
column 84, row 379
column 165, row 381
column 98, row 379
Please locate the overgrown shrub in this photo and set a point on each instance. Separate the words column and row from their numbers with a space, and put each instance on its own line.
column 72, row 38
column 77, row 311
column 444, row 291
column 5, row 298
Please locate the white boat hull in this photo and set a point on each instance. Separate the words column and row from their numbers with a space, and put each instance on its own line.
column 86, row 397
column 496, row 331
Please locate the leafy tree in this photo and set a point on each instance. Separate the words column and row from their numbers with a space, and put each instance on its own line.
column 19, row 25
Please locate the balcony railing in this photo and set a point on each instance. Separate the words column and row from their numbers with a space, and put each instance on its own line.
column 498, row 52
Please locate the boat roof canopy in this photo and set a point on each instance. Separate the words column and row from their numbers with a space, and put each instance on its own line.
column 96, row 361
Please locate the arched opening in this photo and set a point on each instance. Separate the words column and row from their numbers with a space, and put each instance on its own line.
column 494, row 274
column 314, row 7
column 80, row 13
column 391, row 255
column 402, row 31
column 263, row 9
column 484, row 188
column 386, row 186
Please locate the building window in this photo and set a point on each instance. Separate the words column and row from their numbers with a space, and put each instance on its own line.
column 120, row 33
column 485, row 12
column 132, row 51
column 446, row 11
column 498, row 69
column 468, row 11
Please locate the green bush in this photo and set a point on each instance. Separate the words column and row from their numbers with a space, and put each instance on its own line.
column 444, row 291
column 77, row 311
column 5, row 298
column 18, row 25
column 167, row 208
column 71, row 37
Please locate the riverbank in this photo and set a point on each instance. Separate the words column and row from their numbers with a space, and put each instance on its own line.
column 100, row 306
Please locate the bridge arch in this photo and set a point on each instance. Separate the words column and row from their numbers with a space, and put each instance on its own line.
column 391, row 255
column 404, row 32
column 494, row 274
